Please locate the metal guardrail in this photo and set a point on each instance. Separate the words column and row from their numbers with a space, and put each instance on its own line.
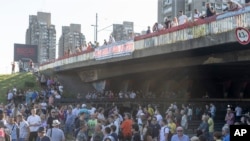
column 214, row 25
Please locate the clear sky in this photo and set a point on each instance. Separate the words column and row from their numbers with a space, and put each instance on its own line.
column 14, row 15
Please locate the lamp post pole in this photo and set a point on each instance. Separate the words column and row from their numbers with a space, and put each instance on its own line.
column 96, row 25
column 94, row 31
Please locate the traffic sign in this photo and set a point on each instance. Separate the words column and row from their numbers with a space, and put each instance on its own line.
column 242, row 35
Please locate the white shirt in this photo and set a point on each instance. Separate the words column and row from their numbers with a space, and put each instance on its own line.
column 182, row 19
column 160, row 26
column 34, row 120
column 44, row 105
column 10, row 95
column 190, row 112
column 197, row 15
column 238, row 111
column 159, row 118
column 23, row 129
column 164, row 130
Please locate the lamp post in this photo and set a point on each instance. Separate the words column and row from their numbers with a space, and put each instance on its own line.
column 95, row 28
column 94, row 31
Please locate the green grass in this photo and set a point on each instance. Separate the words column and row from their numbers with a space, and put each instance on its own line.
column 20, row 80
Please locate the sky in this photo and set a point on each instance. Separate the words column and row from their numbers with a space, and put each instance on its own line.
column 14, row 15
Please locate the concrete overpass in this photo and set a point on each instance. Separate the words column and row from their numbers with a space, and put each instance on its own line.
column 202, row 45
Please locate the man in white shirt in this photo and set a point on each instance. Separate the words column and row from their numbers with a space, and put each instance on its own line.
column 182, row 18
column 238, row 112
column 34, row 123
column 164, row 131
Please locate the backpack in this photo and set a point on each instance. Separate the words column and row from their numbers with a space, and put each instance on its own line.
column 169, row 133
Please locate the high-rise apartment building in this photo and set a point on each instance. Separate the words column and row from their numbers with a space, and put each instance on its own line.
column 43, row 34
column 71, row 39
column 170, row 8
column 123, row 31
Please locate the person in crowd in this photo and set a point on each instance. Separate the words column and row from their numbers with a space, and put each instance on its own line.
column 197, row 14
column 164, row 131
column 172, row 126
column 217, row 136
column 174, row 22
column 136, row 134
column 51, row 118
column 41, row 134
column 34, row 123
column 226, row 133
column 184, row 120
column 210, row 10
column 229, row 118
column 238, row 113
column 233, row 5
column 148, row 30
column 105, row 42
column 210, row 122
column 182, row 19
column 69, row 123
column 113, row 132
column 126, row 127
column 81, row 135
column 55, row 133
column 78, row 122
column 180, row 135
column 167, row 23
column 23, row 128
column 13, row 67
column 203, row 127
column 148, row 134
column 107, row 135
column 156, row 128
column 111, row 39
column 92, row 122
column 157, row 27
column 13, row 128
column 212, row 110
column 98, row 134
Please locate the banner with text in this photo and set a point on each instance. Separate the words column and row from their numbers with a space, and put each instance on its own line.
column 116, row 50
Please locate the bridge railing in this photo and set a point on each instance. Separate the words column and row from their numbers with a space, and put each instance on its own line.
column 213, row 25
column 203, row 27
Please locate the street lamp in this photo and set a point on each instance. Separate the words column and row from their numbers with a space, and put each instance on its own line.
column 95, row 28
column 94, row 32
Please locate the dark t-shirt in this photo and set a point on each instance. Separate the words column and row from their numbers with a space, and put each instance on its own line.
column 44, row 138
column 50, row 121
column 136, row 137
column 156, row 129
column 115, row 136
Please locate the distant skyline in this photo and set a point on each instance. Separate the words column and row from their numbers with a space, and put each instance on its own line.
column 14, row 15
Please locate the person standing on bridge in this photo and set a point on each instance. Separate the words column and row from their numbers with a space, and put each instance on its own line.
column 182, row 18
column 210, row 10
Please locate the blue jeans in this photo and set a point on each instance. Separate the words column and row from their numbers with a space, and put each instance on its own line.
column 21, row 139
column 68, row 129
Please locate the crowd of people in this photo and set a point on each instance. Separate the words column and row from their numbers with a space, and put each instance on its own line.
column 40, row 119
column 182, row 18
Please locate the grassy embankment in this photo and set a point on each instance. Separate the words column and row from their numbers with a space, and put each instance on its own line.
column 20, row 80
